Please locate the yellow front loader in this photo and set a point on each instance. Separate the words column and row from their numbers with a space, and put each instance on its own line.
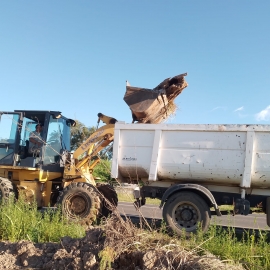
column 36, row 161
column 54, row 175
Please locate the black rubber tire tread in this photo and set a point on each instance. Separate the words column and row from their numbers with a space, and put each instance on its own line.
column 268, row 211
column 6, row 189
column 109, row 194
column 196, row 201
column 90, row 195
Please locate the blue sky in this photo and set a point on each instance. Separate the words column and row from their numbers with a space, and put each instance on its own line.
column 75, row 56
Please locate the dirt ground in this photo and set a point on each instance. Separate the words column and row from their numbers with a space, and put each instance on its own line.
column 86, row 253
column 68, row 254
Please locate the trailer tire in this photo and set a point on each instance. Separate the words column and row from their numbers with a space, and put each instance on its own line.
column 7, row 189
column 185, row 211
column 109, row 199
column 268, row 211
column 80, row 202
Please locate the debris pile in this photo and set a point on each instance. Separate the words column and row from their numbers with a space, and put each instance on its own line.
column 117, row 244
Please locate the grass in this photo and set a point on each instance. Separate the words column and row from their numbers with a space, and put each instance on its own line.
column 19, row 221
column 251, row 251
column 217, row 249
column 126, row 197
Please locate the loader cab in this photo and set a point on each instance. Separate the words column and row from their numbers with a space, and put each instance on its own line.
column 15, row 130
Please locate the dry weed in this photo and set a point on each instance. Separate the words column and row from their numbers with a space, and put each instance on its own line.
column 129, row 247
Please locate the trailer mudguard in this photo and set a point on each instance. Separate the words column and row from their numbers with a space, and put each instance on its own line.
column 198, row 189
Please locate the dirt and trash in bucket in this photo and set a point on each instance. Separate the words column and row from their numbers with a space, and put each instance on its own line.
column 155, row 105
column 117, row 244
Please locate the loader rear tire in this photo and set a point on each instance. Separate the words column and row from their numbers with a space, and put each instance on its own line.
column 185, row 211
column 80, row 202
column 6, row 189
column 109, row 199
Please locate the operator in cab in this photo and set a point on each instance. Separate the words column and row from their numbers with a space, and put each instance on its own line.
column 35, row 140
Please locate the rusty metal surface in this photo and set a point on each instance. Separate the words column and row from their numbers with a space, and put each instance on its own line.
column 157, row 104
column 133, row 172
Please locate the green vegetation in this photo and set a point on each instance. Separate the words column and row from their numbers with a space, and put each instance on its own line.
column 252, row 251
column 79, row 134
column 106, row 258
column 102, row 170
column 200, row 251
column 19, row 221
column 127, row 197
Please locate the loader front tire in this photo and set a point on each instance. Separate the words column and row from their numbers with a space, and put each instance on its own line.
column 6, row 189
column 109, row 199
column 184, row 212
column 80, row 202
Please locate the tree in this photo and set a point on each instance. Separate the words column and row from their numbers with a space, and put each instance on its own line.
column 103, row 170
column 79, row 134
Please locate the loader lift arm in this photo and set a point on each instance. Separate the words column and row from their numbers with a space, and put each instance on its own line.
column 77, row 167
column 81, row 195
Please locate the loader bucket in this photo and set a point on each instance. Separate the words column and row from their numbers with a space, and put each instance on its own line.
column 157, row 104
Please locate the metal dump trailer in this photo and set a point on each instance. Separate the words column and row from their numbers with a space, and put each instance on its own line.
column 191, row 168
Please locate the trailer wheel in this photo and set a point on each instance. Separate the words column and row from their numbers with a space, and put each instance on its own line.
column 109, row 200
column 6, row 189
column 268, row 211
column 185, row 211
column 80, row 201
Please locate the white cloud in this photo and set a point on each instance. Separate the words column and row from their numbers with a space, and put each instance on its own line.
column 239, row 109
column 219, row 108
column 263, row 115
